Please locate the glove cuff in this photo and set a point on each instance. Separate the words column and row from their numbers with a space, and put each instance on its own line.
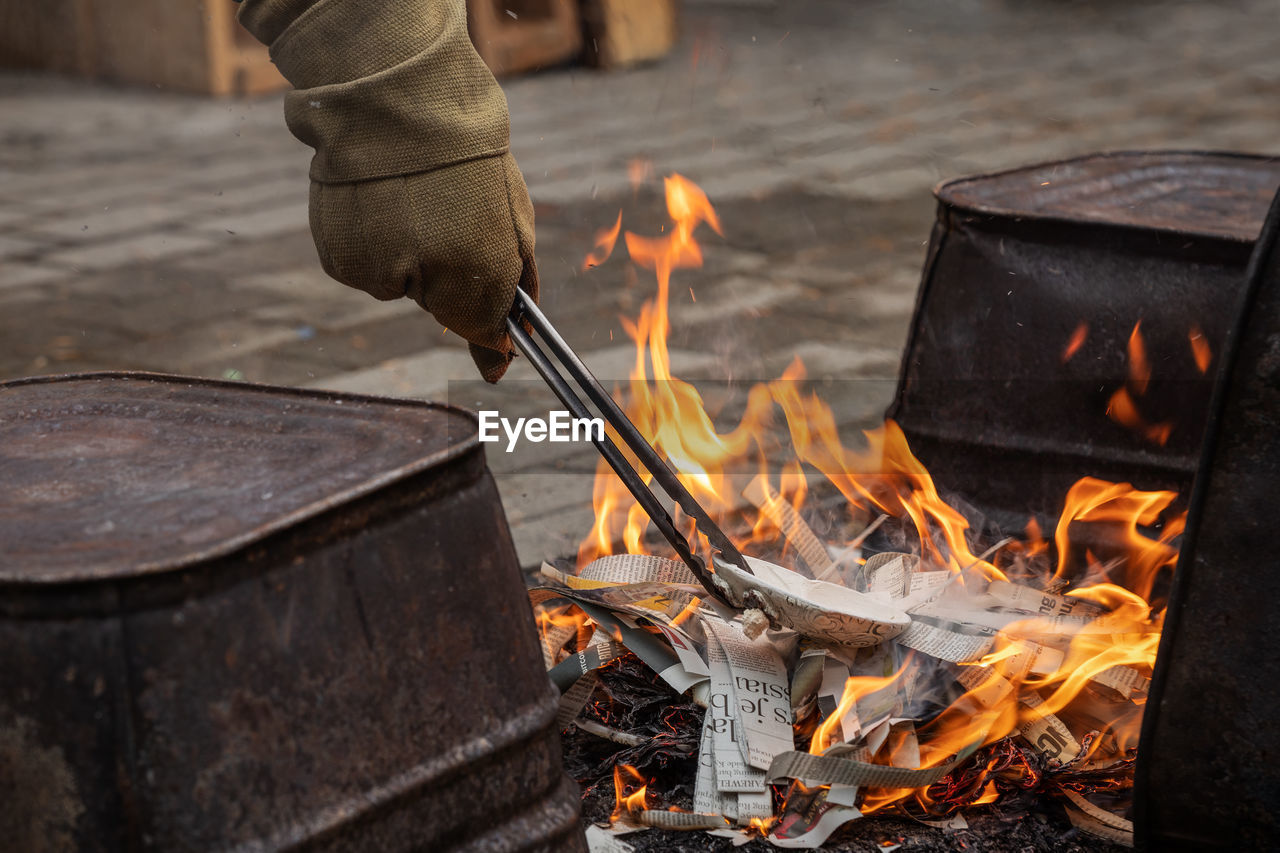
column 388, row 88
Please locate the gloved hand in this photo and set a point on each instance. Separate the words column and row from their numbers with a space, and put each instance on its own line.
column 413, row 190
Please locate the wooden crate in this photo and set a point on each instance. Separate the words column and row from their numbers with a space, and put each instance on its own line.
column 621, row 33
column 48, row 35
column 197, row 45
column 522, row 35
column 181, row 45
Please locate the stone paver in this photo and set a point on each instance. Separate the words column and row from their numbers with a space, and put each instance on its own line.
column 145, row 230
column 144, row 248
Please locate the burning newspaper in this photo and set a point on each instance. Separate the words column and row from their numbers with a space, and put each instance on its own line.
column 994, row 684
column 887, row 669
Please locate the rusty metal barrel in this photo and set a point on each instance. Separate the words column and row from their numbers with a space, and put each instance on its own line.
column 1206, row 775
column 1041, row 285
column 236, row 617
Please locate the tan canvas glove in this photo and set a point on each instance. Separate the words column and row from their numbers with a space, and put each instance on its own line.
column 413, row 190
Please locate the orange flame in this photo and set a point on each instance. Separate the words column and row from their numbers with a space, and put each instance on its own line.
column 1036, row 543
column 671, row 415
column 855, row 688
column 1122, row 408
column 1123, row 509
column 628, row 779
column 1037, row 666
column 605, row 240
column 1200, row 349
column 668, row 412
column 560, row 619
column 1076, row 341
column 1139, row 369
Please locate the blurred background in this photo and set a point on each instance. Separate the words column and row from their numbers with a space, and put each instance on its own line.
column 153, row 206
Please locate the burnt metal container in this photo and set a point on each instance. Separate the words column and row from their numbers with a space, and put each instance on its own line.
column 1034, row 281
column 1207, row 775
column 247, row 618
column 990, row 401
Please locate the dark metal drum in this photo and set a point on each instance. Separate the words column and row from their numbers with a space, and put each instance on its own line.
column 1206, row 776
column 1020, row 260
column 247, row 618
column 1024, row 264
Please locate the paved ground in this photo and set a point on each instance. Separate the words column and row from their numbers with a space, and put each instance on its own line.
column 142, row 230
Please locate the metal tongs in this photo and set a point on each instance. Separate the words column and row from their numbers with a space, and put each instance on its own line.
column 525, row 310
